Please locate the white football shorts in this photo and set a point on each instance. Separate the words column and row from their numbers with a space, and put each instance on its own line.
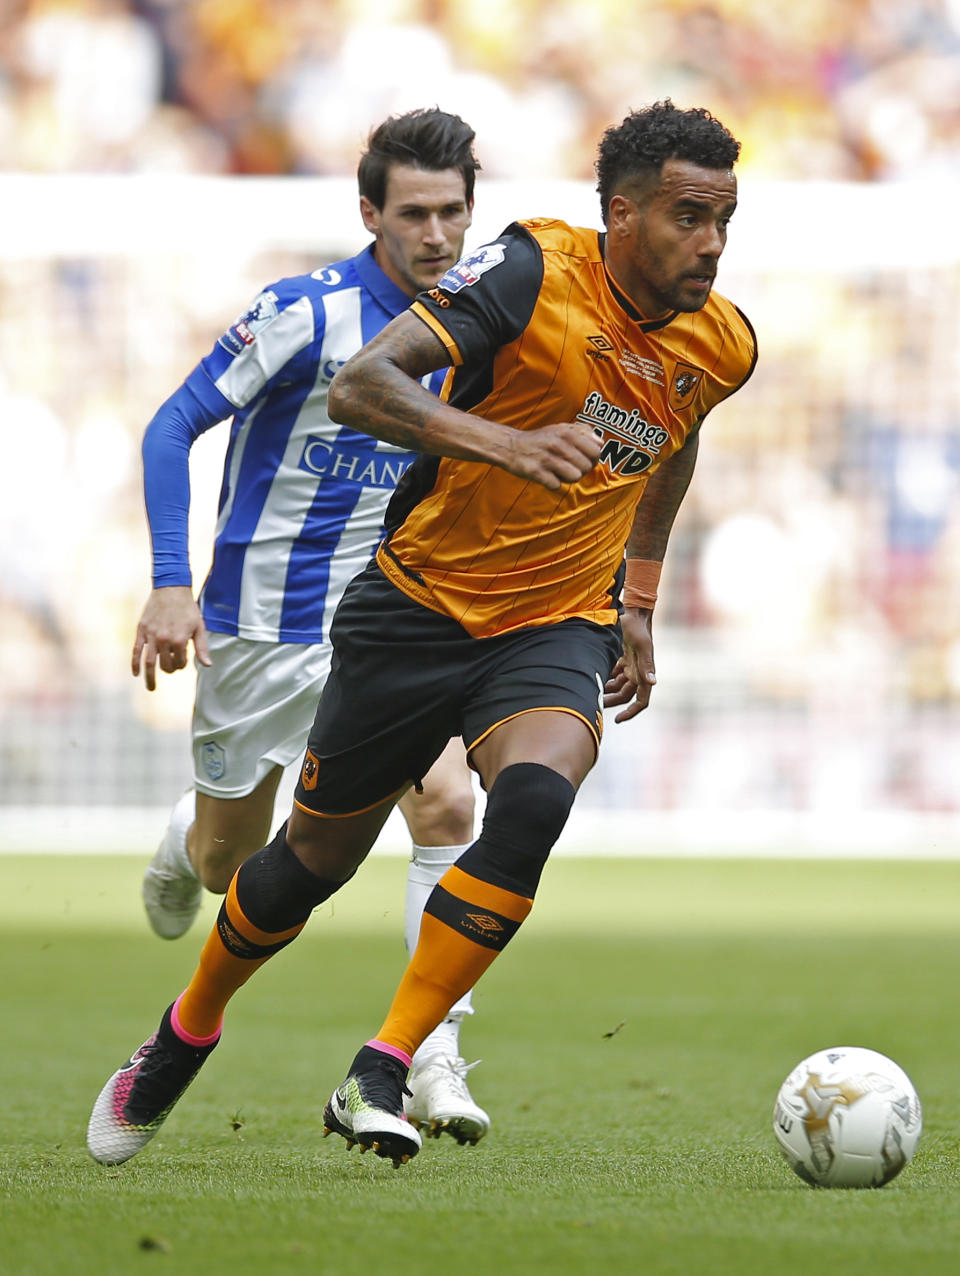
column 254, row 709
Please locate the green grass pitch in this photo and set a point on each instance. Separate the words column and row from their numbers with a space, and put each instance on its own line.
column 633, row 1039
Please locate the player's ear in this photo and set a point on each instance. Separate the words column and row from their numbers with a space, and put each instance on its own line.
column 621, row 210
column 370, row 214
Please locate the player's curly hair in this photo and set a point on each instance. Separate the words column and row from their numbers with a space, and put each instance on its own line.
column 426, row 138
column 638, row 147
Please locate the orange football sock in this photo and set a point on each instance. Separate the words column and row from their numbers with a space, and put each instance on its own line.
column 466, row 923
column 234, row 950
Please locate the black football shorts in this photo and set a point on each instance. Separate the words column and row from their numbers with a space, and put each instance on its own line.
column 405, row 680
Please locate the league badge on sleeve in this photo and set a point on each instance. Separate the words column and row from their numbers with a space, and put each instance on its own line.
column 244, row 332
column 469, row 269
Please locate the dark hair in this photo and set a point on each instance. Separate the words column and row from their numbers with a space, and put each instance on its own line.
column 426, row 138
column 638, row 147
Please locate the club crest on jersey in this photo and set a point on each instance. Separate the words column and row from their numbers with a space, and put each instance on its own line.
column 244, row 332
column 469, row 269
column 686, row 380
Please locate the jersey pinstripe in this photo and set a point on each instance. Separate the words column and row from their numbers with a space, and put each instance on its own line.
column 537, row 333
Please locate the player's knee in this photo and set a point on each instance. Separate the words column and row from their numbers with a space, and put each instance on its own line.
column 276, row 891
column 216, row 860
column 441, row 816
column 526, row 810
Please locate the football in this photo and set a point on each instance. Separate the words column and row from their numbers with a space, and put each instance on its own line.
column 847, row 1117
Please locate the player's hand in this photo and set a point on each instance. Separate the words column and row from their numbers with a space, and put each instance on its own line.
column 618, row 689
column 634, row 674
column 170, row 620
column 554, row 455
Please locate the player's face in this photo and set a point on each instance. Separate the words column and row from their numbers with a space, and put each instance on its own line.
column 420, row 229
column 663, row 247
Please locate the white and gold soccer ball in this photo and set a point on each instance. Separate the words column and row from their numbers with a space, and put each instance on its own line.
column 847, row 1117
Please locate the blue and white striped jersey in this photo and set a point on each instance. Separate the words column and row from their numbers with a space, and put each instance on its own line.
column 302, row 501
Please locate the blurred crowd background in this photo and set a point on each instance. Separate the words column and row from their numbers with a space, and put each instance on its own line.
column 809, row 628
column 849, row 89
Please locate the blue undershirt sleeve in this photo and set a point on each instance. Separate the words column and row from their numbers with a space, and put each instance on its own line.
column 192, row 409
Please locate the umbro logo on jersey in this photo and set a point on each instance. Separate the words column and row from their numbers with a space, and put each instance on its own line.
column 599, row 347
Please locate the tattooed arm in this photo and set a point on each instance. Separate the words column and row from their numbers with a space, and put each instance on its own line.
column 661, row 499
column 379, row 392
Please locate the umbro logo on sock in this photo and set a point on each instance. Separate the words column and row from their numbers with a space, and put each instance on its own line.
column 484, row 922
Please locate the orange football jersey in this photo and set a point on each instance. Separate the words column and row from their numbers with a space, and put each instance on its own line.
column 537, row 333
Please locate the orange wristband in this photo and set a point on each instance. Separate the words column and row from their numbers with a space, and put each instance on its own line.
column 641, row 577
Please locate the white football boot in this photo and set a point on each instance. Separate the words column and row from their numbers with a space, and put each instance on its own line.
column 440, row 1101
column 172, row 892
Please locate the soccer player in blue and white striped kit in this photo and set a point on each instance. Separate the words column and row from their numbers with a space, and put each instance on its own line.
column 301, row 511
